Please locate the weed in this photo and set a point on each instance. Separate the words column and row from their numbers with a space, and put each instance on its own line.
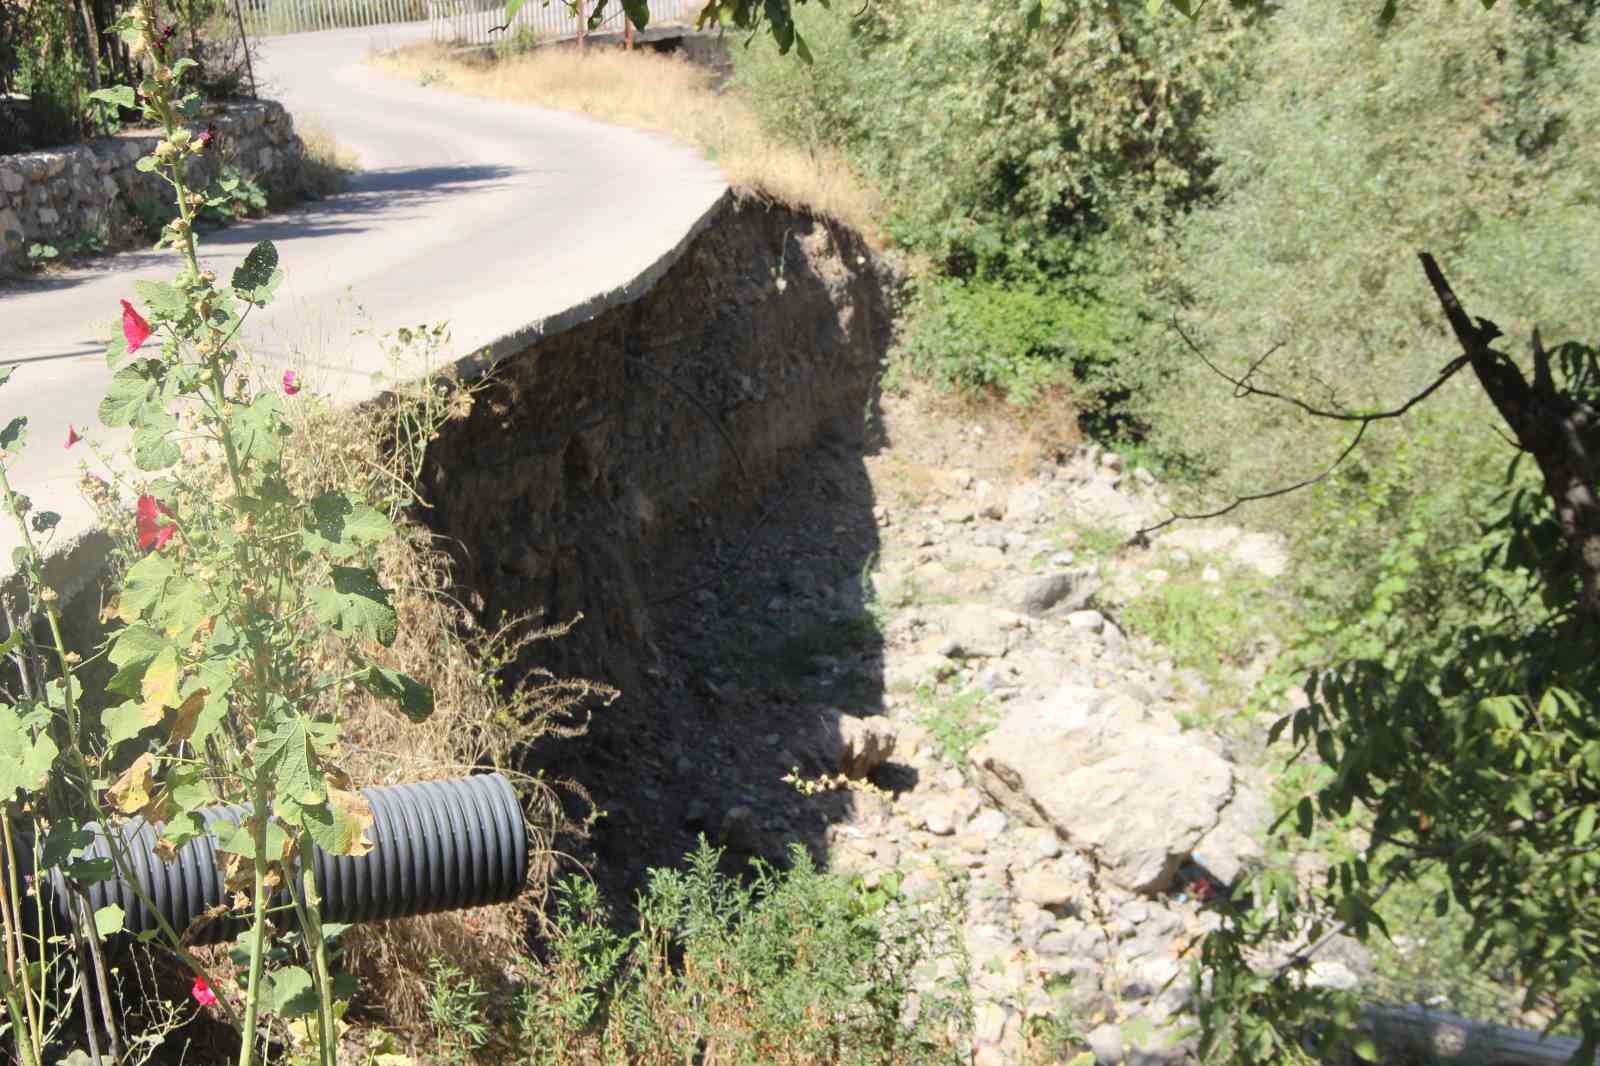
column 1205, row 625
column 791, row 966
column 455, row 1008
column 956, row 719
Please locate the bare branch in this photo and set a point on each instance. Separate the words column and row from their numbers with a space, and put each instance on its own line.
column 1243, row 388
column 1142, row 536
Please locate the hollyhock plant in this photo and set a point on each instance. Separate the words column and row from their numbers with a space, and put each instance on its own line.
column 152, row 532
column 291, row 382
column 201, row 991
column 134, row 327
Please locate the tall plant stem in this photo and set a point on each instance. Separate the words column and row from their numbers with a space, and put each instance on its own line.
column 258, row 917
column 25, row 1050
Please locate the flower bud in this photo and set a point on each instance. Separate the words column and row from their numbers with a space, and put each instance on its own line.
column 179, row 225
column 166, row 152
column 181, row 138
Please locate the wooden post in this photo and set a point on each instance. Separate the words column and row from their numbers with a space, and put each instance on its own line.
column 244, row 45
column 1438, row 1037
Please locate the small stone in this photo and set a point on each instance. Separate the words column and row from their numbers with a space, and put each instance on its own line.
column 1087, row 621
column 1049, row 888
column 1105, row 1041
column 864, row 744
column 988, row 823
column 1111, row 461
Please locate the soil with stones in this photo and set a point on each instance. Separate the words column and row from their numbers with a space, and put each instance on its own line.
column 932, row 630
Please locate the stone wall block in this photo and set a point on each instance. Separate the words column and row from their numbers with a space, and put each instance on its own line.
column 62, row 194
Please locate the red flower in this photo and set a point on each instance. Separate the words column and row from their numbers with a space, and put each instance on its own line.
column 151, row 533
column 201, row 991
column 134, row 327
column 291, row 382
column 72, row 435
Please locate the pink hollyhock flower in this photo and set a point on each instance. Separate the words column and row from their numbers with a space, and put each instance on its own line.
column 153, row 534
column 291, row 382
column 201, row 991
column 134, row 327
column 72, row 435
column 209, row 135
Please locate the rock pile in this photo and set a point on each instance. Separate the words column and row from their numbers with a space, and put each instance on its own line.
column 1087, row 825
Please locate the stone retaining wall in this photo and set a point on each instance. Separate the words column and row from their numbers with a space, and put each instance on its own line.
column 60, row 194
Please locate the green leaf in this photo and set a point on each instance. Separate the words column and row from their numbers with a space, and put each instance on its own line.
column 182, row 65
column 512, row 7
column 255, row 279
column 339, row 824
column 257, row 431
column 6, row 372
column 292, row 993
column 26, row 751
column 340, row 524
column 1364, row 1047
column 108, row 920
column 124, row 721
column 121, row 95
column 637, row 12
column 1585, row 827
column 414, row 698
column 1305, row 816
column 129, row 394
column 288, row 753
column 153, row 449
column 14, row 433
column 163, row 299
column 356, row 605
column 132, row 651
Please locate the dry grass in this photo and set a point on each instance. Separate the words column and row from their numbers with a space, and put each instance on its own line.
column 663, row 93
column 327, row 164
column 377, row 450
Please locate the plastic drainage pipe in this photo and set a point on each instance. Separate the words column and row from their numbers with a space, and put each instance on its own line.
column 437, row 846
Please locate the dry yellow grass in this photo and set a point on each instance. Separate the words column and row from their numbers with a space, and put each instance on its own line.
column 327, row 163
column 662, row 93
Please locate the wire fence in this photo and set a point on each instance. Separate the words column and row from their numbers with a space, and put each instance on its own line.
column 265, row 17
column 477, row 21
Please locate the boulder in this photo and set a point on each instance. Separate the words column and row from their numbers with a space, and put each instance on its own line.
column 1068, row 589
column 854, row 746
column 1136, row 795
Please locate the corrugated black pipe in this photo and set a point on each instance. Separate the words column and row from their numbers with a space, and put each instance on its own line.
column 437, row 846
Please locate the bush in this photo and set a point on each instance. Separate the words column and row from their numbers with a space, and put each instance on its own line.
column 797, row 966
column 1013, row 162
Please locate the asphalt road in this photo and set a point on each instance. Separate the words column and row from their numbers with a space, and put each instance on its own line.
column 493, row 217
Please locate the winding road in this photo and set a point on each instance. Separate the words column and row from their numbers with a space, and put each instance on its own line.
column 504, row 220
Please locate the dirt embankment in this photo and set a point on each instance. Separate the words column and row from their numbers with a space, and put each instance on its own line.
column 589, row 472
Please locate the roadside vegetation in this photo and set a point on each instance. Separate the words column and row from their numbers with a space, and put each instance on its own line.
column 1119, row 206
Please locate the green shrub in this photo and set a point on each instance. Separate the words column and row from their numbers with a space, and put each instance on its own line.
column 794, row 966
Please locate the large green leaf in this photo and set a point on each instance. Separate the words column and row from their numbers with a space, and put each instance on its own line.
column 257, row 431
column 414, row 699
column 26, row 751
column 132, row 651
column 340, row 524
column 127, row 397
column 292, row 993
column 165, row 300
column 356, row 605
column 255, row 279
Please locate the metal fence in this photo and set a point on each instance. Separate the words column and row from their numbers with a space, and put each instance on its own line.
column 264, row 17
column 471, row 21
